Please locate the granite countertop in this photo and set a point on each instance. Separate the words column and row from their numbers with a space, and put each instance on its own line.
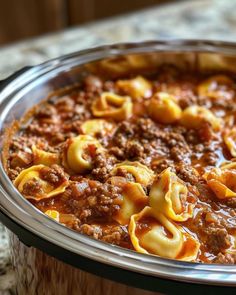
column 203, row 19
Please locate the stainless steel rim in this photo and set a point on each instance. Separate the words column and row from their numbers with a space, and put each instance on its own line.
column 27, row 216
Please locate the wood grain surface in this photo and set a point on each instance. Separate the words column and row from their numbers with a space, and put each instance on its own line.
column 27, row 18
column 40, row 274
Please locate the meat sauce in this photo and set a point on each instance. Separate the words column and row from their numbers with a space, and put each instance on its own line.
column 142, row 120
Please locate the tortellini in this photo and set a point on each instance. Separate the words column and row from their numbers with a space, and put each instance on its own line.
column 230, row 141
column 163, row 108
column 216, row 87
column 67, row 219
column 79, row 153
column 169, row 195
column 194, row 116
column 95, row 126
column 44, row 158
column 229, row 165
column 141, row 173
column 133, row 200
column 117, row 66
column 31, row 184
column 222, row 182
column 137, row 88
column 53, row 214
column 152, row 232
column 113, row 106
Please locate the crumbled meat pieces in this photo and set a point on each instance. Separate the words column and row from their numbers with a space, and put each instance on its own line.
column 44, row 130
column 96, row 199
column 109, row 86
column 159, row 165
column 91, row 230
column 21, row 159
column 13, row 173
column 217, row 239
column 147, row 129
column 117, row 152
column 93, row 83
column 231, row 202
column 134, row 150
column 206, row 132
column 102, row 165
column 225, row 258
column 46, row 111
column 187, row 173
column 54, row 174
column 32, row 187
column 113, row 234
column 180, row 154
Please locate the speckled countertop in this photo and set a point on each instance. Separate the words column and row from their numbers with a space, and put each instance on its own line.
column 196, row 19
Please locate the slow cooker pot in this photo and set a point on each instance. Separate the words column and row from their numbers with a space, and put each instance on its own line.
column 51, row 259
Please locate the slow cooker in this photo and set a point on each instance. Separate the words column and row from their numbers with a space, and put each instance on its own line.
column 49, row 258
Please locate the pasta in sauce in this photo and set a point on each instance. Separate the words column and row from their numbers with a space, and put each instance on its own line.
column 145, row 162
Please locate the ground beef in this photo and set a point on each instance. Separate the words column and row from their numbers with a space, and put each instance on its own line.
column 113, row 234
column 54, row 174
column 93, row 230
column 120, row 140
column 227, row 258
column 21, row 159
column 102, row 164
column 180, row 154
column 32, row 187
column 109, row 86
column 162, row 164
column 13, row 173
column 187, row 173
column 43, row 130
column 117, row 152
column 134, row 150
column 123, row 173
column 94, row 199
column 231, row 202
column 147, row 129
column 218, row 239
column 206, row 132
column 46, row 111
column 93, row 83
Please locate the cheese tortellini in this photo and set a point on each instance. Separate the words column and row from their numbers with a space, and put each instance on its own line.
column 230, row 141
column 137, row 88
column 194, row 116
column 133, row 200
column 113, row 106
column 163, row 108
column 141, row 173
column 152, row 232
column 117, row 66
column 229, row 165
column 216, row 87
column 66, row 219
column 79, row 153
column 32, row 185
column 169, row 195
column 95, row 126
column 54, row 214
column 44, row 158
column 222, row 181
